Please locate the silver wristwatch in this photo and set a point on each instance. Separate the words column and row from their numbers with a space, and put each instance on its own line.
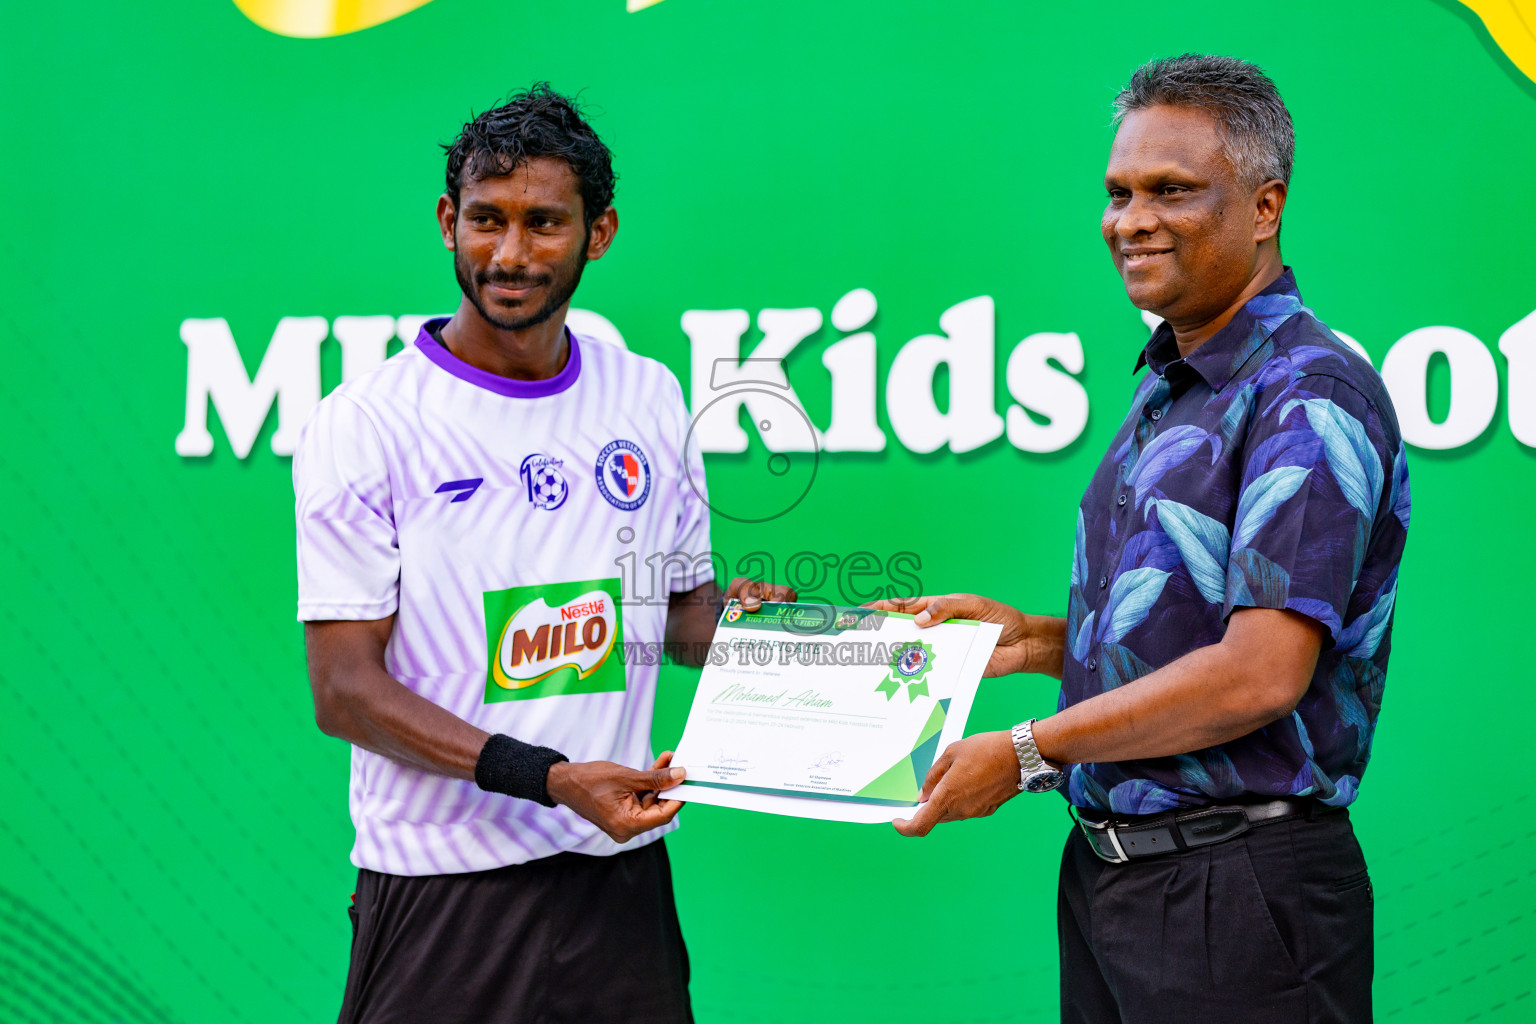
column 1034, row 774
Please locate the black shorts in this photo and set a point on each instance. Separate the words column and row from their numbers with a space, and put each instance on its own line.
column 566, row 938
column 1272, row 927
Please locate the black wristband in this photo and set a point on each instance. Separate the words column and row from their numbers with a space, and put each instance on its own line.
column 516, row 768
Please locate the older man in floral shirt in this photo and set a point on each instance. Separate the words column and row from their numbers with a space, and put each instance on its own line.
column 1229, row 618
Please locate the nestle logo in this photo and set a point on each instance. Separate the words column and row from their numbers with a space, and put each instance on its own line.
column 581, row 611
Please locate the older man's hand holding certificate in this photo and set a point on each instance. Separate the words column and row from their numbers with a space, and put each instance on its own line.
column 823, row 711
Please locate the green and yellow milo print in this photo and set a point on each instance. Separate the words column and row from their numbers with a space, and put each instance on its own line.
column 553, row 638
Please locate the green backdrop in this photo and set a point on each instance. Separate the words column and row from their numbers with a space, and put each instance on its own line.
column 174, row 833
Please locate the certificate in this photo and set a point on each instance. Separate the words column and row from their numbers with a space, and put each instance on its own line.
column 825, row 711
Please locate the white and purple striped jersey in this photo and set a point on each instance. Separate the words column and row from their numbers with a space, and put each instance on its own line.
column 526, row 536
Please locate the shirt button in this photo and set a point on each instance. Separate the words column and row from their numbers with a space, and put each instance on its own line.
column 1120, row 501
column 1093, row 664
column 1103, row 582
column 1157, row 414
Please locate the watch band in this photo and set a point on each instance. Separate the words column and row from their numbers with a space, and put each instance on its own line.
column 1035, row 775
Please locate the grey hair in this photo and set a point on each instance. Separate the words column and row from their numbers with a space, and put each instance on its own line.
column 1258, row 139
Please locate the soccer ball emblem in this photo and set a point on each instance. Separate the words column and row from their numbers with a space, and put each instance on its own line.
column 549, row 488
column 546, row 485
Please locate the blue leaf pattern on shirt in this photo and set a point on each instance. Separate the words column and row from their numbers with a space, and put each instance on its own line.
column 1257, row 582
column 1079, row 554
column 1120, row 665
column 1345, row 790
column 1086, row 791
column 1077, row 604
column 1202, row 543
column 1262, row 497
column 1297, row 362
column 1149, row 549
column 1214, row 776
column 1322, row 611
column 1236, row 416
column 1084, row 641
column 1165, row 452
column 1141, row 796
column 1304, row 737
column 1268, row 307
column 1401, row 503
column 1361, row 637
column 1351, row 710
column 1131, row 597
column 1284, row 448
column 1350, row 455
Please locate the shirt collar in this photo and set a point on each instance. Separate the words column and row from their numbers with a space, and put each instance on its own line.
column 1225, row 352
column 438, row 353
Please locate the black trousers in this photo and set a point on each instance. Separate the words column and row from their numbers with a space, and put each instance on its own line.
column 1273, row 927
column 568, row 938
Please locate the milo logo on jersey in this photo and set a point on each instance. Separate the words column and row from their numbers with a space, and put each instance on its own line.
column 553, row 638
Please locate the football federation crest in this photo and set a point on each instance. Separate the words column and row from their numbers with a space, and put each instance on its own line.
column 732, row 612
column 546, row 485
column 624, row 475
column 909, row 667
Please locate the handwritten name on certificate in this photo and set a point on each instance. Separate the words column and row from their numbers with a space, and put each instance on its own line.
column 825, row 711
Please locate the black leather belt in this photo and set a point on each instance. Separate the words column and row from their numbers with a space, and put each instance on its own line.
column 1118, row 840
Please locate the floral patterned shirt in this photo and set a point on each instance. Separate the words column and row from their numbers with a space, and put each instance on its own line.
column 1266, row 470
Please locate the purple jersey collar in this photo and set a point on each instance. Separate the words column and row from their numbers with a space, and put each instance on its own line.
column 439, row 354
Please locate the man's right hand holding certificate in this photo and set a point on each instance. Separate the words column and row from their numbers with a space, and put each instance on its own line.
column 975, row 776
column 1028, row 643
column 1255, row 674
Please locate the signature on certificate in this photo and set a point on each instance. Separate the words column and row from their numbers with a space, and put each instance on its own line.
column 724, row 760
column 831, row 760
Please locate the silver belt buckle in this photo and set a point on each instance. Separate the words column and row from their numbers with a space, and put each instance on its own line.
column 1104, row 829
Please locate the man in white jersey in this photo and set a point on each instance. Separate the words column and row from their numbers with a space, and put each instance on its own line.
column 464, row 513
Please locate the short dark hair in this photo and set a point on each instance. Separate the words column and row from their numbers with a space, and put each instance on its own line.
column 538, row 122
column 1258, row 138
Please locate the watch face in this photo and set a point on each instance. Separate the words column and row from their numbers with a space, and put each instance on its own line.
column 1044, row 782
